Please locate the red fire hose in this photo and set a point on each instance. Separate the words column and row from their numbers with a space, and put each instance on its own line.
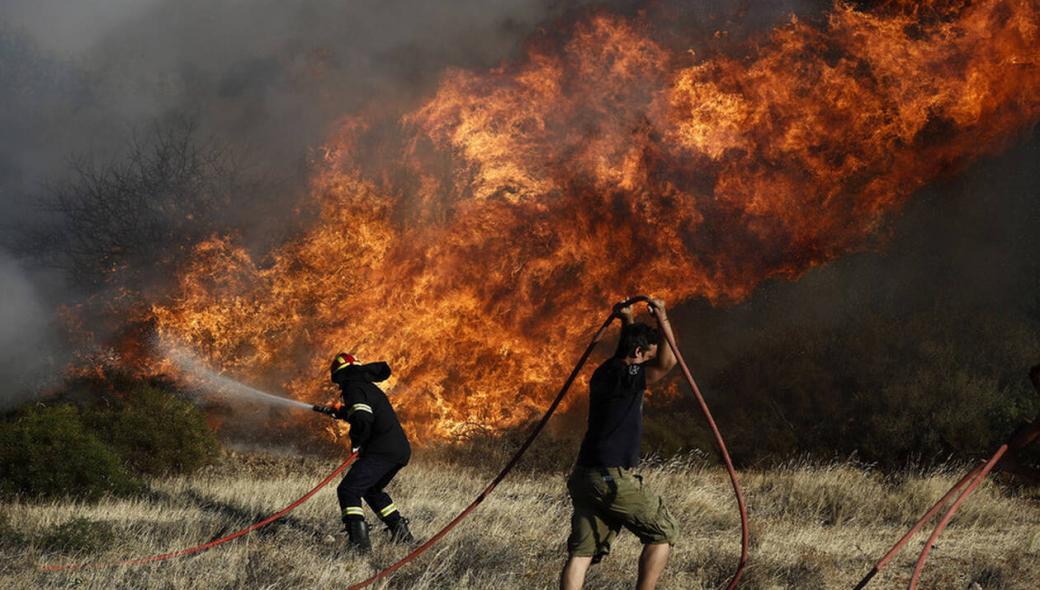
column 1026, row 435
column 917, row 526
column 541, row 425
column 919, row 566
column 965, row 486
column 211, row 544
column 741, row 505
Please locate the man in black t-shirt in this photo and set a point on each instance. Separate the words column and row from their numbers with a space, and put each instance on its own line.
column 605, row 493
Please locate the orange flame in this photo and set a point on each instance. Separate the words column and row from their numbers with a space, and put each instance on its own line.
column 471, row 241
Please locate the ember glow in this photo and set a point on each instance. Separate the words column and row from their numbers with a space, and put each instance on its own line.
column 473, row 241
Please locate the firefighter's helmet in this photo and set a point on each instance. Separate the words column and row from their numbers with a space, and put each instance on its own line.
column 342, row 361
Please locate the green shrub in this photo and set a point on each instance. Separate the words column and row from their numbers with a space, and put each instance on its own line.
column 78, row 535
column 153, row 431
column 113, row 429
column 46, row 452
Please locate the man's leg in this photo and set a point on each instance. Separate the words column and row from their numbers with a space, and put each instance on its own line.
column 645, row 515
column 349, row 492
column 651, row 564
column 356, row 483
column 382, row 504
column 573, row 575
column 591, row 535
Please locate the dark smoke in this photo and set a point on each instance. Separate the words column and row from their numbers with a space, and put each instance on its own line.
column 969, row 242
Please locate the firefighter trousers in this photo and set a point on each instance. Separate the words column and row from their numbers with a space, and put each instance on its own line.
column 366, row 480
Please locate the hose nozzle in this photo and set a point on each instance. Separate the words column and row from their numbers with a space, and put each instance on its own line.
column 328, row 410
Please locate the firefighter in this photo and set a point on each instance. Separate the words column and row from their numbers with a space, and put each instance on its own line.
column 604, row 491
column 383, row 450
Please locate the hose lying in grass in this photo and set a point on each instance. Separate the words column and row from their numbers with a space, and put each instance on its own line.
column 216, row 542
column 1026, row 435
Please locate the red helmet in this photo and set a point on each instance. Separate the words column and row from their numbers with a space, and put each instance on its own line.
column 342, row 361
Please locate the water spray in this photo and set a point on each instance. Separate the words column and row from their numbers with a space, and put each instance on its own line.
column 208, row 379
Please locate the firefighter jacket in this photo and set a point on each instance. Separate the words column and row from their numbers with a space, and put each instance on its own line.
column 374, row 426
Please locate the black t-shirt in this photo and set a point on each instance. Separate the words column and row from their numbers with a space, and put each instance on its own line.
column 615, row 416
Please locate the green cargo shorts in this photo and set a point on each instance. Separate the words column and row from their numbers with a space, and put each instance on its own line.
column 608, row 498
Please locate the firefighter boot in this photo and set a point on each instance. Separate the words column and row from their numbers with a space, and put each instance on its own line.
column 399, row 532
column 357, row 535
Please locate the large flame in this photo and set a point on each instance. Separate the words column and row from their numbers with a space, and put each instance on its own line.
column 472, row 241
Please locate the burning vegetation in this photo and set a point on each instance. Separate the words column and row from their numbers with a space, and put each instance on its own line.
column 468, row 240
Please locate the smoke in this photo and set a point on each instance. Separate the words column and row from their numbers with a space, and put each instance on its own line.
column 70, row 28
column 968, row 243
column 29, row 347
column 267, row 76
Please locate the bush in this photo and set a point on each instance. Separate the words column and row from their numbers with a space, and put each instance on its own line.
column 895, row 389
column 114, row 431
column 78, row 534
column 153, row 431
column 46, row 452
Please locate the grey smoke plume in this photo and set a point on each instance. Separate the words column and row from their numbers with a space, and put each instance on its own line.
column 267, row 76
column 29, row 351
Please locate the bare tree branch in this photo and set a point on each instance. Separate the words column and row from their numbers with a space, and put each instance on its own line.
column 126, row 219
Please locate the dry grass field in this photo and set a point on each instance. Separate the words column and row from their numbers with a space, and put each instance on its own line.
column 812, row 527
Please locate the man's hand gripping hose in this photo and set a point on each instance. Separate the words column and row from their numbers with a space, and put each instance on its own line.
column 334, row 410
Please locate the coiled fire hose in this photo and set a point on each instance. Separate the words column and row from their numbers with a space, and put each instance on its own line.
column 541, row 425
column 216, row 542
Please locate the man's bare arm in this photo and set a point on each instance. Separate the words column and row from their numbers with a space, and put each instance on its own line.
column 659, row 367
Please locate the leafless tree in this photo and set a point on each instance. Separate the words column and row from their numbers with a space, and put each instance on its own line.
column 132, row 218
